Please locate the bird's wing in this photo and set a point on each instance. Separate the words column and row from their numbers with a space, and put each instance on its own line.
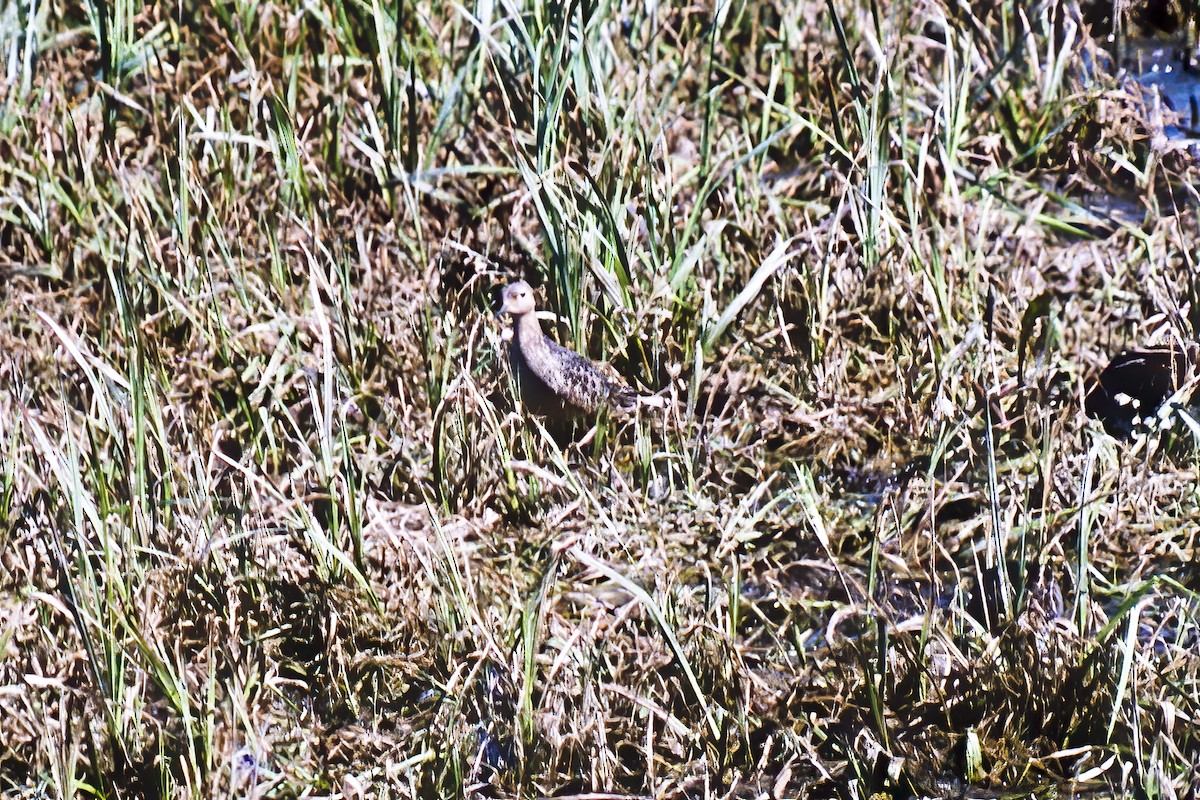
column 576, row 379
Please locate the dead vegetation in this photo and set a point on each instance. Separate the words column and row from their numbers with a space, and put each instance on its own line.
column 271, row 523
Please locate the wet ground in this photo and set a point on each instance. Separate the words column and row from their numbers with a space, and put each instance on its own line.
column 1156, row 64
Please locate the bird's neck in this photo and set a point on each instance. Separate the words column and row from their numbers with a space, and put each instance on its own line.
column 529, row 333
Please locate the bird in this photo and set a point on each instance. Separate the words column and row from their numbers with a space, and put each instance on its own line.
column 553, row 380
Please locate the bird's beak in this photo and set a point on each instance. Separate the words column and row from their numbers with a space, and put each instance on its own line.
column 503, row 307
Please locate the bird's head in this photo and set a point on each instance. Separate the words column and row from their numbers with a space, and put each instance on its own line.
column 518, row 299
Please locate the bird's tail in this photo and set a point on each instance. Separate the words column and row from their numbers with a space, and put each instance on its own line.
column 628, row 401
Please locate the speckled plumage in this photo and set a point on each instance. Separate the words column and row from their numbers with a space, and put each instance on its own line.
column 553, row 379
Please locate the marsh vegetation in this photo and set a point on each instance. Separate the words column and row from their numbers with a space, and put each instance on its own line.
column 274, row 523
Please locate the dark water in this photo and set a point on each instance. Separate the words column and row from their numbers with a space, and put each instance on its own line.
column 1156, row 65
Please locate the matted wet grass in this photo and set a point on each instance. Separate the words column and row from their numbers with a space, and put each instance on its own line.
column 272, row 523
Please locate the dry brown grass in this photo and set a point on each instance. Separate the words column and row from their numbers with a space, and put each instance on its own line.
column 272, row 525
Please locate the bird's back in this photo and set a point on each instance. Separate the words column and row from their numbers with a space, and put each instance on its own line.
column 576, row 379
column 554, row 379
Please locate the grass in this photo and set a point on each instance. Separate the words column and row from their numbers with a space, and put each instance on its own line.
column 273, row 524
